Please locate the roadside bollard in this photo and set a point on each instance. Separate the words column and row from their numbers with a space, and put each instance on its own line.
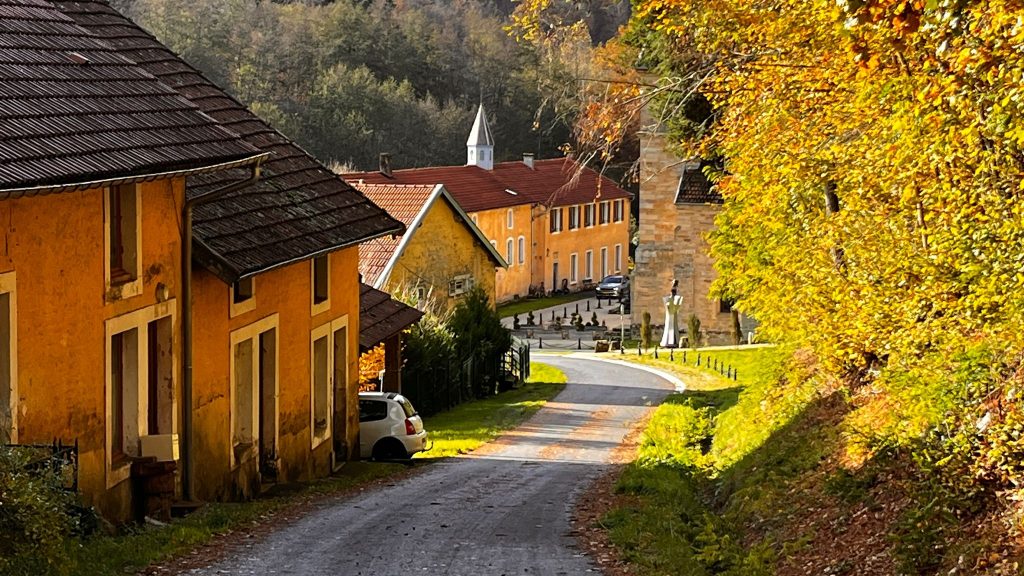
column 622, row 349
column 540, row 343
column 577, row 307
column 598, row 302
column 684, row 356
column 579, row 343
column 671, row 354
column 698, row 360
column 588, row 305
column 655, row 352
column 734, row 372
column 716, row 364
column 552, row 315
column 638, row 352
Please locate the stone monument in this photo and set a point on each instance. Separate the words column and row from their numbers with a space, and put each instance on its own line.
column 673, row 302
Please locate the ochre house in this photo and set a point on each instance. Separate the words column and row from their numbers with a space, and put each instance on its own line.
column 556, row 225
column 442, row 254
column 101, row 259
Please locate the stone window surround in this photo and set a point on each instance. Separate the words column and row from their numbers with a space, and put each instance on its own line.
column 243, row 306
column 325, row 304
column 252, row 332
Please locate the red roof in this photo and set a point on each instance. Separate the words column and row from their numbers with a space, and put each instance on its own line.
column 403, row 202
column 509, row 184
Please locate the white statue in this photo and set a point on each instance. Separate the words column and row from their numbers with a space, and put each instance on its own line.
column 670, row 338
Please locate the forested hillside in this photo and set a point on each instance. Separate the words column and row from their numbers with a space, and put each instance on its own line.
column 348, row 80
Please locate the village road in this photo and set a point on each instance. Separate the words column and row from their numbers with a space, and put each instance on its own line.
column 503, row 510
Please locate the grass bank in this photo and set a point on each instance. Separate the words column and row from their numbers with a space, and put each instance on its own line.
column 460, row 430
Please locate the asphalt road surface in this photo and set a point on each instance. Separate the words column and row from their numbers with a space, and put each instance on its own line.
column 504, row 510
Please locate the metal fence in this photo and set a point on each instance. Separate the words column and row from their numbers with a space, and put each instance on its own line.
column 57, row 458
column 444, row 386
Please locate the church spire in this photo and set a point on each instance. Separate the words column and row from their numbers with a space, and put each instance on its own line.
column 480, row 145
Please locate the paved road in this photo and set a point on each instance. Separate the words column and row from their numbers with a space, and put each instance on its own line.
column 503, row 510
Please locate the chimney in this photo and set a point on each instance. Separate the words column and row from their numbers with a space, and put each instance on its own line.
column 385, row 164
column 528, row 159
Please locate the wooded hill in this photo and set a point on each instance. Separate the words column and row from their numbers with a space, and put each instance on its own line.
column 349, row 80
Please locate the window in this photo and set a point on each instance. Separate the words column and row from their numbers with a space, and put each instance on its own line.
column 725, row 305
column 372, row 410
column 604, row 213
column 618, row 213
column 522, row 250
column 495, row 244
column 321, row 386
column 556, row 220
column 588, row 215
column 243, row 297
column 618, row 258
column 510, row 251
column 573, row 278
column 574, row 217
column 254, row 390
column 123, row 266
column 604, row 261
column 460, row 285
column 473, row 218
column 140, row 383
column 321, row 282
column 242, row 290
column 509, row 219
column 8, row 359
column 588, row 266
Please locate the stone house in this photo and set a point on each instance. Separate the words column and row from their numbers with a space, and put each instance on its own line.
column 182, row 275
column 556, row 225
column 677, row 210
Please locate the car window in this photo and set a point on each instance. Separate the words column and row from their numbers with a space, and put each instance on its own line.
column 407, row 406
column 372, row 410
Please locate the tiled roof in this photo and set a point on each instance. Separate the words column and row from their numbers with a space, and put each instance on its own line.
column 476, row 189
column 695, row 188
column 407, row 202
column 403, row 201
column 381, row 317
column 74, row 110
column 298, row 209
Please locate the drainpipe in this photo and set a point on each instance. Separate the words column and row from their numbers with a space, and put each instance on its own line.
column 187, row 477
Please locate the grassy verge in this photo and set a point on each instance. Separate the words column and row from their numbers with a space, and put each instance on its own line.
column 709, row 460
column 524, row 306
column 468, row 426
column 459, row 430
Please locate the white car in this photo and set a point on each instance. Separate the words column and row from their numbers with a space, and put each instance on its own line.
column 389, row 427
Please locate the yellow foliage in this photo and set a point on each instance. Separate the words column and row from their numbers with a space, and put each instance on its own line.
column 371, row 364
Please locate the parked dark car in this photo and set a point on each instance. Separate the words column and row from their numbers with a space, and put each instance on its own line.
column 615, row 286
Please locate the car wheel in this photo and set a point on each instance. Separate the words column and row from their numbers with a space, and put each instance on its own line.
column 389, row 449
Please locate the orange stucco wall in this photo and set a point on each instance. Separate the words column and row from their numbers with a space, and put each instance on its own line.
column 286, row 292
column 55, row 246
column 439, row 250
column 558, row 247
column 516, row 279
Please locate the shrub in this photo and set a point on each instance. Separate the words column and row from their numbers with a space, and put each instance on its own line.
column 694, row 331
column 35, row 517
column 478, row 333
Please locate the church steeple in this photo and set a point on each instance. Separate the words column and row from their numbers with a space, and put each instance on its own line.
column 480, row 145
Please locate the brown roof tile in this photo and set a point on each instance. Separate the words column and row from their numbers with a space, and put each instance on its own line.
column 381, row 317
column 298, row 209
column 73, row 109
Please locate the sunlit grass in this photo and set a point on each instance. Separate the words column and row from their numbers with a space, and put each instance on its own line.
column 523, row 306
column 468, row 426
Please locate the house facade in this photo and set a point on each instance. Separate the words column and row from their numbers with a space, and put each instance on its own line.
column 547, row 218
column 442, row 255
column 183, row 286
column 678, row 206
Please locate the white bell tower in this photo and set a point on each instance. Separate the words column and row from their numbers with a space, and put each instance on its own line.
column 480, row 145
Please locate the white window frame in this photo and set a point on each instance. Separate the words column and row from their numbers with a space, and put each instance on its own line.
column 551, row 220
column 522, row 250
column 618, row 258
column 588, row 266
column 604, row 261
column 132, row 287
column 8, row 285
column 619, row 211
column 604, row 213
column 247, row 305
column 574, row 217
column 510, row 251
column 252, row 332
column 325, row 305
column 137, row 320
column 589, row 215
column 321, row 332
column 460, row 284
column 573, row 262
column 510, row 219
